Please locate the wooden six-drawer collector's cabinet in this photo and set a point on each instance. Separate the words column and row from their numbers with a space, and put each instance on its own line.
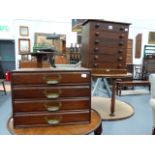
column 47, row 97
column 104, row 46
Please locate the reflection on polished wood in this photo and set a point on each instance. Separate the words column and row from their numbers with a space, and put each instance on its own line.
column 80, row 129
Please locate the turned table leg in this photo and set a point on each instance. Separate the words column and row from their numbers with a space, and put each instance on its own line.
column 112, row 108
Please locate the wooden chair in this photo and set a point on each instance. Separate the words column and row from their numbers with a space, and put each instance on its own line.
column 3, row 84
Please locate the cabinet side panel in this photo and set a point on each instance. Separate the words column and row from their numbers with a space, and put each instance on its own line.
column 85, row 45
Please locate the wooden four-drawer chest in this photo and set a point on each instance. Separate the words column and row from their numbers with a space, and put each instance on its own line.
column 47, row 97
column 104, row 46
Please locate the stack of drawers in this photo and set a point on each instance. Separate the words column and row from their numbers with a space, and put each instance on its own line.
column 104, row 46
column 46, row 97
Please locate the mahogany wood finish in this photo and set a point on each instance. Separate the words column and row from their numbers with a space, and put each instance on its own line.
column 129, row 58
column 104, row 46
column 153, row 131
column 47, row 97
column 95, row 126
column 120, row 84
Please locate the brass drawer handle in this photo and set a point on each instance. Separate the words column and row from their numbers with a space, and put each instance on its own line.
column 51, row 81
column 52, row 95
column 54, row 107
column 54, row 121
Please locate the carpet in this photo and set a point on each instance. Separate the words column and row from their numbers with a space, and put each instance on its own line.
column 102, row 105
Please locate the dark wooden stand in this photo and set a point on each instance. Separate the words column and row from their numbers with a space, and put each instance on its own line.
column 3, row 84
column 80, row 129
column 115, row 78
column 40, row 56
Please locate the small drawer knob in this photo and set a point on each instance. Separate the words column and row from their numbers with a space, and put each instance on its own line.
column 121, row 43
column 96, row 57
column 97, row 41
column 97, row 33
column 120, row 58
column 122, row 28
column 120, row 51
column 95, row 65
column 119, row 65
column 121, row 36
column 96, row 49
column 97, row 25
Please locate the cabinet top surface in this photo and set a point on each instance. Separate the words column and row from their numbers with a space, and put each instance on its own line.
column 104, row 21
column 65, row 69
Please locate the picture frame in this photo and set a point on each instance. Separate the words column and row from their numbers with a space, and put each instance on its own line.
column 24, row 46
column 24, row 31
column 41, row 39
column 151, row 38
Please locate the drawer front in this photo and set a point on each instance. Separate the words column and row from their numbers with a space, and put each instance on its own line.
column 49, row 119
column 50, row 93
column 51, row 78
column 51, row 105
column 108, row 43
column 107, row 65
column 107, row 50
column 110, row 35
column 112, row 27
column 115, row 58
column 108, row 72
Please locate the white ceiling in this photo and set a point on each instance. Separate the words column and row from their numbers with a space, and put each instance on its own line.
column 64, row 10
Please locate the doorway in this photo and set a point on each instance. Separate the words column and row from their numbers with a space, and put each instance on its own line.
column 7, row 56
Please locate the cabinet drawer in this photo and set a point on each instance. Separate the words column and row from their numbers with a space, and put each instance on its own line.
column 107, row 65
column 108, row 72
column 114, row 58
column 50, row 92
column 106, row 50
column 51, row 78
column 112, row 27
column 110, row 35
column 49, row 119
column 50, row 105
column 109, row 43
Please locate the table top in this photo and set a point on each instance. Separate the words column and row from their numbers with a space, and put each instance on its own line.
column 113, row 75
column 78, row 129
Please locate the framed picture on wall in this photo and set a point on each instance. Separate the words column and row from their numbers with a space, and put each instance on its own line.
column 24, row 30
column 151, row 38
column 24, row 46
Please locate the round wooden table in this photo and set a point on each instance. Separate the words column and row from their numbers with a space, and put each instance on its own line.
column 78, row 129
column 116, row 78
